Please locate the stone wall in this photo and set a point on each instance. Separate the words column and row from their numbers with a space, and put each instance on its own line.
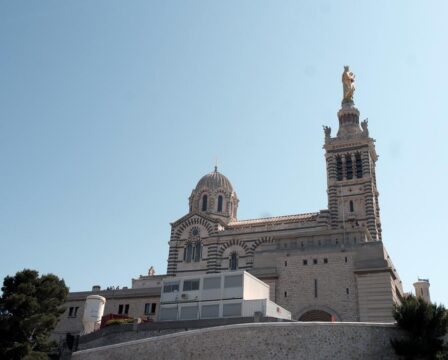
column 326, row 283
column 260, row 341
column 110, row 335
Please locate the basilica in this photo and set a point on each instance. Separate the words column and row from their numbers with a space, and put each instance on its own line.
column 324, row 265
column 330, row 265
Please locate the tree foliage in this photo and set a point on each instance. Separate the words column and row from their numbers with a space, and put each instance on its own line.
column 29, row 310
column 425, row 325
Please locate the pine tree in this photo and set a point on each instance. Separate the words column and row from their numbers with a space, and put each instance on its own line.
column 29, row 310
column 425, row 325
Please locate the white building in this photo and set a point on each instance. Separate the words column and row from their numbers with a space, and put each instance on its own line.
column 227, row 294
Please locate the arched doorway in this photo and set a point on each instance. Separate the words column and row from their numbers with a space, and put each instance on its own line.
column 316, row 315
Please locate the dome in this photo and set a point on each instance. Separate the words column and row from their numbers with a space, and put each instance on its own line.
column 214, row 195
column 214, row 181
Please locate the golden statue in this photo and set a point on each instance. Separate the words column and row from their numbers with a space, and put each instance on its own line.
column 348, row 84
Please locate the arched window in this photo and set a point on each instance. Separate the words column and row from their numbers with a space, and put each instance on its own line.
column 220, row 203
column 204, row 202
column 358, row 163
column 349, row 166
column 188, row 252
column 197, row 251
column 233, row 261
column 338, row 168
column 352, row 207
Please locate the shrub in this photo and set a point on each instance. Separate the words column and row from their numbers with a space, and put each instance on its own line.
column 115, row 322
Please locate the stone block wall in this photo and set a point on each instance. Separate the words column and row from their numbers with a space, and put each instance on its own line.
column 329, row 284
column 375, row 296
column 271, row 341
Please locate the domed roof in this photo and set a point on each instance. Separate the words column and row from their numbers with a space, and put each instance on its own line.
column 213, row 181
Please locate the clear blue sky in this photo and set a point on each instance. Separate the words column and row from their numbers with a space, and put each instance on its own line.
column 111, row 111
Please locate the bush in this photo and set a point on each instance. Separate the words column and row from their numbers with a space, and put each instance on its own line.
column 425, row 326
column 115, row 322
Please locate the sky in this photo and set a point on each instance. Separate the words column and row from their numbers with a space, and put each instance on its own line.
column 111, row 111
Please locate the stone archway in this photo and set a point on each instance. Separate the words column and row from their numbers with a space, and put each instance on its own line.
column 316, row 315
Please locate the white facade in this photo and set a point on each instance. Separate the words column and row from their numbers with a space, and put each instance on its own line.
column 422, row 290
column 227, row 294
column 93, row 312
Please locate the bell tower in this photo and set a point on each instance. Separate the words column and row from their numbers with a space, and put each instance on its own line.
column 351, row 159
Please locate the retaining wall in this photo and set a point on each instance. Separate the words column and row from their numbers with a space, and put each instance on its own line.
column 110, row 335
column 260, row 341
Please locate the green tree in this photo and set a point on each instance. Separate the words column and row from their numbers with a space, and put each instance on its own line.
column 29, row 310
column 425, row 326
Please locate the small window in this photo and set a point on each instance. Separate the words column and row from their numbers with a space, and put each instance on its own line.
column 286, row 263
column 212, row 283
column 197, row 253
column 358, row 162
column 150, row 308
column 204, row 202
column 346, row 259
column 349, row 166
column 220, row 203
column 315, row 261
column 126, row 309
column 233, row 261
column 210, row 311
column 325, row 261
column 191, row 285
column 305, row 262
column 286, row 294
column 120, row 309
column 315, row 288
column 338, row 168
column 189, row 313
column 231, row 309
column 347, row 291
column 352, row 208
column 188, row 252
column 70, row 311
column 168, row 313
column 233, row 281
column 170, row 287
column 76, row 311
